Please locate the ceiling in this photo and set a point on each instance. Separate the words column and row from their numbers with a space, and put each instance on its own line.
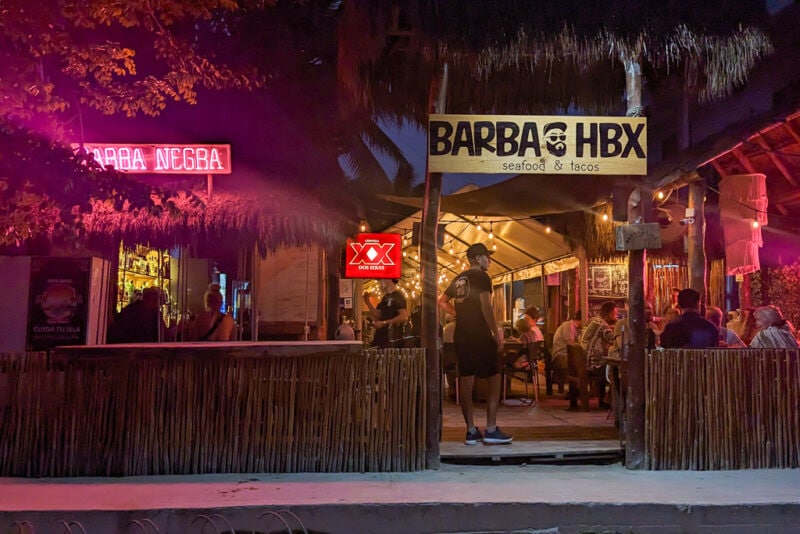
column 517, row 243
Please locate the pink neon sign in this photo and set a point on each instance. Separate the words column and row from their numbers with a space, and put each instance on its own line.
column 162, row 159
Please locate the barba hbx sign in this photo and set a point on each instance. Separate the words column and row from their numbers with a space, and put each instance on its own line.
column 162, row 159
column 498, row 144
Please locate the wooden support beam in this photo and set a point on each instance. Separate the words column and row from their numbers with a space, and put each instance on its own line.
column 720, row 170
column 639, row 209
column 430, row 317
column 737, row 153
column 775, row 160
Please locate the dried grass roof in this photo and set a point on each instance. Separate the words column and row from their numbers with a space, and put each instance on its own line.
column 260, row 217
column 516, row 57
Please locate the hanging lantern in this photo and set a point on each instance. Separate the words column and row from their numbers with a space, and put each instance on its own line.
column 743, row 211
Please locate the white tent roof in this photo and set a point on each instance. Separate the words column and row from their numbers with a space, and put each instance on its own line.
column 519, row 244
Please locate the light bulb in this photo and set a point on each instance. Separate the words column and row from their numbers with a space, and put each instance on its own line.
column 755, row 224
column 491, row 234
column 363, row 227
column 605, row 216
column 547, row 230
column 494, row 246
column 660, row 195
column 478, row 226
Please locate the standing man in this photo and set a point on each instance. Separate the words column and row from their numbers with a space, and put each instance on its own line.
column 478, row 341
column 390, row 315
column 690, row 330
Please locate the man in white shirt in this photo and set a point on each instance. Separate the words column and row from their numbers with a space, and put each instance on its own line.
column 566, row 333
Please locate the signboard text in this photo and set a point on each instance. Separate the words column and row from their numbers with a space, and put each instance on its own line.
column 537, row 144
column 162, row 159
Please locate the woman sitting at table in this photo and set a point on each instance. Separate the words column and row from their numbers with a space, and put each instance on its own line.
column 519, row 359
column 775, row 331
column 211, row 324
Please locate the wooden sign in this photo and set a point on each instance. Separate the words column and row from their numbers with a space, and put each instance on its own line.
column 500, row 144
column 638, row 236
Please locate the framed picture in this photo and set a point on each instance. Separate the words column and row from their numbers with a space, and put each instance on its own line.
column 608, row 280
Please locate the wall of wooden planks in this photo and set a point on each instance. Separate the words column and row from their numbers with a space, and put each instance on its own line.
column 722, row 409
column 152, row 416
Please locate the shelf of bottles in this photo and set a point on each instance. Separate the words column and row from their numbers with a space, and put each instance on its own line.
column 141, row 267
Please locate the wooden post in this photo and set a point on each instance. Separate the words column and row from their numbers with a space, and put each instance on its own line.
column 333, row 271
column 696, row 238
column 638, row 211
column 583, row 282
column 429, row 264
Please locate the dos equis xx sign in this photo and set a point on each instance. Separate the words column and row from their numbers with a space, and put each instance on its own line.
column 498, row 144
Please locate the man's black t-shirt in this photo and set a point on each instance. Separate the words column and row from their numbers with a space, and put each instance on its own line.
column 465, row 293
column 389, row 307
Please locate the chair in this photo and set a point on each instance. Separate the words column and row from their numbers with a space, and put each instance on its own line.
column 529, row 371
column 577, row 375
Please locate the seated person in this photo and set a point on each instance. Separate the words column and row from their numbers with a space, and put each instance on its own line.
column 567, row 333
column 774, row 332
column 140, row 321
column 211, row 324
column 727, row 337
column 519, row 360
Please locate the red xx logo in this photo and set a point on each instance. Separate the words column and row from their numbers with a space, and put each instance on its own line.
column 372, row 253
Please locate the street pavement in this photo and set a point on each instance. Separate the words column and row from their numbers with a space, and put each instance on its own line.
column 455, row 498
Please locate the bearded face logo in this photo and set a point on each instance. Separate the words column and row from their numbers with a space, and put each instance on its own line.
column 555, row 137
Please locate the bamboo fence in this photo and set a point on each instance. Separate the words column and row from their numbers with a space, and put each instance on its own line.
column 152, row 416
column 722, row 409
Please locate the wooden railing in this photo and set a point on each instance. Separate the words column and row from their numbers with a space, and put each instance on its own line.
column 146, row 416
column 722, row 409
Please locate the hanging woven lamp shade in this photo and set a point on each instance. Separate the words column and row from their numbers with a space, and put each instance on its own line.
column 743, row 211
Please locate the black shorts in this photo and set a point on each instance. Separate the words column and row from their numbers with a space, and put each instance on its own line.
column 477, row 357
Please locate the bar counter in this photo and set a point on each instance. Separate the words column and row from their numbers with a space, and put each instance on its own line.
column 212, row 407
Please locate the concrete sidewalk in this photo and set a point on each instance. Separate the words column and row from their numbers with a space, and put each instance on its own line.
column 563, row 499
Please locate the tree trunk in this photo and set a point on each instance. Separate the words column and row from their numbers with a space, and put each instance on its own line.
column 696, row 238
column 638, row 212
column 429, row 265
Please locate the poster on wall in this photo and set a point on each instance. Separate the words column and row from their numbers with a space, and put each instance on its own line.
column 57, row 309
column 608, row 280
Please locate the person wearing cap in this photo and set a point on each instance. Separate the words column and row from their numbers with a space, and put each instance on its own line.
column 478, row 342
column 390, row 315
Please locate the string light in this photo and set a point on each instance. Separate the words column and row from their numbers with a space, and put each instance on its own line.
column 547, row 229
column 605, row 216
column 478, row 226
column 451, row 248
column 491, row 230
column 660, row 195
column 494, row 246
column 363, row 226
column 755, row 224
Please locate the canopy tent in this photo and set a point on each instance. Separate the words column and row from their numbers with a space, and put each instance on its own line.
column 518, row 243
column 526, row 195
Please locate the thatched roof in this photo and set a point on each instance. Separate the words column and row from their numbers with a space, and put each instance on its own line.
column 515, row 58
column 260, row 217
